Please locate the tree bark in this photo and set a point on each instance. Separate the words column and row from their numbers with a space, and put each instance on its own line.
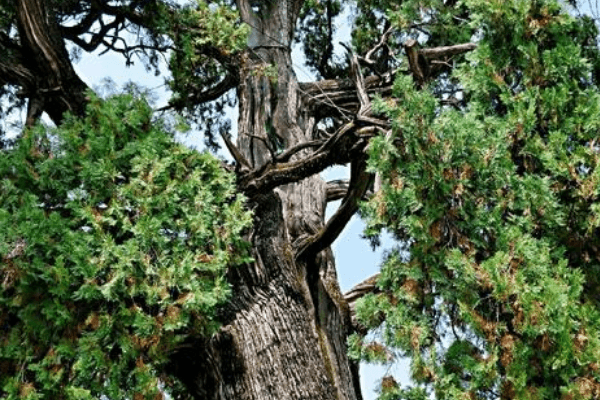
column 52, row 85
column 285, row 330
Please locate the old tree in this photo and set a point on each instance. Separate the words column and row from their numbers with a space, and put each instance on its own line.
column 131, row 267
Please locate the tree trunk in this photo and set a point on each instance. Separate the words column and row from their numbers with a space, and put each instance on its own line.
column 285, row 330
column 50, row 82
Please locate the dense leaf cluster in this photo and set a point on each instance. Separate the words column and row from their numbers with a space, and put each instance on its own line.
column 114, row 245
column 499, row 201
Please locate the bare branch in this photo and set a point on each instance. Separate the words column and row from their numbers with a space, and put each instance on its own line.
column 339, row 96
column 360, row 181
column 203, row 95
column 235, row 153
column 340, row 148
column 286, row 155
column 368, row 58
column 411, row 47
column 337, row 189
column 444, row 51
column 359, row 81
column 419, row 60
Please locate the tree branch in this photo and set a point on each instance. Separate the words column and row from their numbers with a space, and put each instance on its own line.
column 55, row 79
column 444, row 51
column 360, row 290
column 360, row 181
column 13, row 67
column 368, row 58
column 339, row 95
column 337, row 189
column 235, row 153
column 340, row 148
column 419, row 60
column 286, row 155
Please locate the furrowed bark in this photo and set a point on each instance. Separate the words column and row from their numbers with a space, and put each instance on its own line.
column 57, row 88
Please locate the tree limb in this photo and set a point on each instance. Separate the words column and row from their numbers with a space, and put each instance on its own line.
column 235, row 153
column 337, row 189
column 339, row 95
column 338, row 149
column 360, row 290
column 443, row 51
column 360, row 181
column 382, row 42
column 55, row 79
column 13, row 67
column 419, row 60
column 286, row 155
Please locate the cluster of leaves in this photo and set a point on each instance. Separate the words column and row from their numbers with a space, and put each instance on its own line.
column 205, row 37
column 114, row 247
column 500, row 202
column 208, row 38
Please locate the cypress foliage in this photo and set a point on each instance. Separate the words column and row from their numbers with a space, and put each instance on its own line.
column 498, row 203
column 115, row 243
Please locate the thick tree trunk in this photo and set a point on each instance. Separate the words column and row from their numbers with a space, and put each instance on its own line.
column 285, row 330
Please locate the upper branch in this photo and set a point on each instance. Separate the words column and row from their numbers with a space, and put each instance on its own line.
column 339, row 96
column 342, row 147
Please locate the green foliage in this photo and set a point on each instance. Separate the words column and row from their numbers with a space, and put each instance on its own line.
column 114, row 245
column 205, row 37
column 499, row 201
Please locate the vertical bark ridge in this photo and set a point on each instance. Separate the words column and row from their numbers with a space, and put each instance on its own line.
column 285, row 329
column 57, row 84
column 302, row 331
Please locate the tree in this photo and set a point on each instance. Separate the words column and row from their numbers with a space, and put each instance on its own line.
column 468, row 126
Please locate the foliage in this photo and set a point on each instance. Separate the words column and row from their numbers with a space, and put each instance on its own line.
column 114, row 246
column 207, row 39
column 316, row 32
column 500, row 203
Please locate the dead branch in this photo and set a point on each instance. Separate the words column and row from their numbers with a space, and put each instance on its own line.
column 338, row 96
column 368, row 58
column 338, row 149
column 420, row 60
column 360, row 181
column 286, row 155
column 417, row 67
column 235, row 153
column 337, row 189
column 444, row 51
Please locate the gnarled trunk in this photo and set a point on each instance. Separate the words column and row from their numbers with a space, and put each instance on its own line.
column 48, row 78
column 285, row 330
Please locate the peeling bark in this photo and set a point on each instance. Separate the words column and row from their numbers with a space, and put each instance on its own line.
column 284, row 331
